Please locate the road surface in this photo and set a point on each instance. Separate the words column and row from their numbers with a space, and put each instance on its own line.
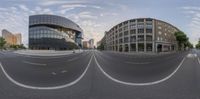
column 100, row 75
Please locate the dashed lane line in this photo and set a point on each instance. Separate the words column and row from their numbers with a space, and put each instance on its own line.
column 31, row 63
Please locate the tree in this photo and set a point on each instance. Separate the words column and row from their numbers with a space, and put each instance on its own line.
column 2, row 42
column 198, row 45
column 101, row 46
column 188, row 44
column 182, row 39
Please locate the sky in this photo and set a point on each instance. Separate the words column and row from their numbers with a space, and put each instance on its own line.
column 97, row 16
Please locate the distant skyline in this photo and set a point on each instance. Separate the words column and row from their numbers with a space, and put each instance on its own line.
column 97, row 16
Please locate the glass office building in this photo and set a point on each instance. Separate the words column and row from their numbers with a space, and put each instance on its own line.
column 53, row 32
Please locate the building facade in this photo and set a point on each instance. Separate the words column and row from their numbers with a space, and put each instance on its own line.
column 141, row 35
column 91, row 43
column 11, row 39
column 85, row 44
column 19, row 38
column 53, row 32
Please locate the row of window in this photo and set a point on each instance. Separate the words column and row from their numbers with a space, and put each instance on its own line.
column 133, row 39
column 132, row 47
column 47, row 34
column 134, row 26
column 133, row 31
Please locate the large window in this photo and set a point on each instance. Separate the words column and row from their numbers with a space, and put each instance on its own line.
column 140, row 46
column 120, row 34
column 125, row 33
column 149, row 38
column 140, row 37
column 126, row 48
column 149, row 46
column 133, row 47
column 148, row 30
column 133, row 31
column 126, row 40
column 140, row 20
column 133, row 38
column 140, row 30
column 120, row 41
column 125, row 27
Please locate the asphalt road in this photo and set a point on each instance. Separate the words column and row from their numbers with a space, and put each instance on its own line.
column 101, row 75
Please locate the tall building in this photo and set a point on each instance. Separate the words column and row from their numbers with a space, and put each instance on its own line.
column 141, row 35
column 85, row 44
column 10, row 38
column 91, row 43
column 53, row 32
column 19, row 38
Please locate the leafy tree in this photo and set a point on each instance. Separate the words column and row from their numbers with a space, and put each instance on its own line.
column 21, row 46
column 198, row 45
column 188, row 44
column 2, row 42
column 182, row 39
column 101, row 46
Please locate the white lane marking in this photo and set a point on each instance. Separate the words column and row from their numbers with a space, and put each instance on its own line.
column 191, row 55
column 199, row 61
column 73, row 59
column 46, row 88
column 63, row 71
column 138, row 62
column 53, row 73
column 46, row 57
column 27, row 62
column 138, row 84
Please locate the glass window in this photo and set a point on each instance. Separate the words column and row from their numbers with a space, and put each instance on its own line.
column 120, row 34
column 120, row 41
column 126, row 33
column 126, row 40
column 132, row 20
column 148, row 30
column 140, row 20
column 133, row 47
column 140, row 30
column 149, row 38
column 140, row 46
column 140, row 37
column 149, row 46
column 133, row 38
column 133, row 31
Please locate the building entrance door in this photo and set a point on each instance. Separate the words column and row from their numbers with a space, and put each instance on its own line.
column 159, row 48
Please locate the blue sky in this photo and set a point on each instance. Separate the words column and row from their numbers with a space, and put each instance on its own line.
column 97, row 16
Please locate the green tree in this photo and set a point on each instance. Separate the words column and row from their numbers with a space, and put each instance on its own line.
column 182, row 39
column 198, row 45
column 101, row 46
column 2, row 42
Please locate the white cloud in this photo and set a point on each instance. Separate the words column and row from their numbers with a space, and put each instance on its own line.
column 191, row 8
column 15, row 21
column 3, row 9
column 23, row 7
column 63, row 11
column 74, row 6
column 194, row 13
column 58, row 2
column 108, row 14
column 86, row 15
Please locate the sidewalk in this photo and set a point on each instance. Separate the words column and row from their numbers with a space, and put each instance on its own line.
column 46, row 52
column 142, row 54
